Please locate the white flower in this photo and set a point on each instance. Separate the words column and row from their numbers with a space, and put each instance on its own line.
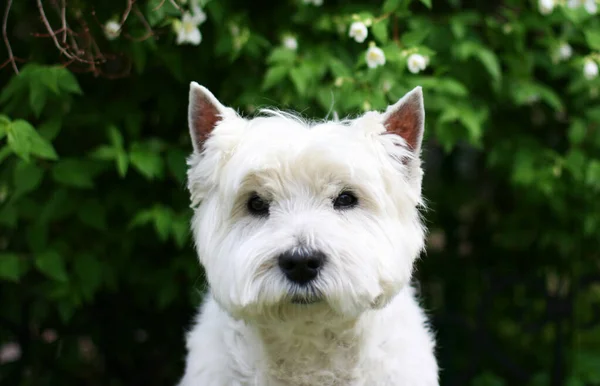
column 317, row 3
column 574, row 3
column 416, row 63
column 112, row 29
column 532, row 98
column 590, row 6
column 10, row 352
column 590, row 69
column 565, row 51
column 187, row 30
column 546, row 6
column 197, row 13
column 358, row 31
column 290, row 43
column 375, row 57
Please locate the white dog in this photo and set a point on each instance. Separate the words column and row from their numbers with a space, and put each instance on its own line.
column 308, row 232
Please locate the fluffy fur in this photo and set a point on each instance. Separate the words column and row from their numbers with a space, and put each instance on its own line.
column 362, row 324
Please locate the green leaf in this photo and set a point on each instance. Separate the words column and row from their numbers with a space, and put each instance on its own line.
column 4, row 123
column 88, row 271
column 26, row 177
column 25, row 140
column 9, row 267
column 274, row 76
column 181, row 230
column 37, row 99
column 162, row 223
column 380, row 30
column 104, row 153
column 415, row 37
column 339, row 68
column 577, row 131
column 72, row 172
column 592, row 37
column 115, row 136
column 391, row 5
column 46, row 76
column 51, row 264
column 299, row 79
column 491, row 63
column 593, row 174
column 148, row 162
column 50, row 128
column 177, row 165
column 68, row 82
column 19, row 141
column 122, row 163
column 486, row 57
column 93, row 214
column 427, row 3
column 281, row 55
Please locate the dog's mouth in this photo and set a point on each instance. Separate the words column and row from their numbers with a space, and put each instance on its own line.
column 305, row 300
column 305, row 295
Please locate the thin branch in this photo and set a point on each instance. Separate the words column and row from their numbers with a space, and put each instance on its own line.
column 159, row 5
column 11, row 57
column 170, row 1
column 127, row 11
column 149, row 31
column 175, row 5
column 51, row 32
column 63, row 16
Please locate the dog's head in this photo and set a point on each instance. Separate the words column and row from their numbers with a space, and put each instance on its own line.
column 290, row 214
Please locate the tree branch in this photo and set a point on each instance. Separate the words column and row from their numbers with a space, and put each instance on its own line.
column 11, row 57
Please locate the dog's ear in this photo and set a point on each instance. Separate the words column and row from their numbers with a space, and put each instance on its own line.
column 204, row 112
column 406, row 118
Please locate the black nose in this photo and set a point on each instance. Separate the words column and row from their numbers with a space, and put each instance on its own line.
column 301, row 266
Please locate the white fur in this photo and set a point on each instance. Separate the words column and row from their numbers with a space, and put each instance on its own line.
column 368, row 329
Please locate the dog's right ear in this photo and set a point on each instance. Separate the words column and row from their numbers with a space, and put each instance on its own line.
column 204, row 112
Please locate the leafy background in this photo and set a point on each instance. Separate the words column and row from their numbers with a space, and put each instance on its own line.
column 98, row 279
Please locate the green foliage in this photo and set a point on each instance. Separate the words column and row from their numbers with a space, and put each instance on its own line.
column 94, row 216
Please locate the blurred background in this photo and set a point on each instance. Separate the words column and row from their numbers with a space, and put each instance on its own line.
column 98, row 277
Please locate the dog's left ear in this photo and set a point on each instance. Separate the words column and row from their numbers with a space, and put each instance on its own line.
column 204, row 113
column 406, row 118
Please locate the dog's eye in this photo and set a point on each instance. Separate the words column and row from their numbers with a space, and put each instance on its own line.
column 345, row 200
column 257, row 206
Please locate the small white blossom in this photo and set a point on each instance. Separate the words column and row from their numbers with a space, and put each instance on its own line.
column 112, row 29
column 198, row 14
column 290, row 43
column 358, row 31
column 590, row 69
column 416, row 63
column 546, row 6
column 565, row 51
column 590, row 6
column 532, row 98
column 10, row 352
column 187, row 30
column 375, row 57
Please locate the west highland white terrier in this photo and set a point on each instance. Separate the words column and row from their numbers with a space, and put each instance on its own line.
column 307, row 232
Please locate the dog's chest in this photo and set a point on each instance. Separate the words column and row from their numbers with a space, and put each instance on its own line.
column 321, row 357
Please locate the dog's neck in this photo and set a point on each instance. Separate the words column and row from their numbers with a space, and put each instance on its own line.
column 290, row 346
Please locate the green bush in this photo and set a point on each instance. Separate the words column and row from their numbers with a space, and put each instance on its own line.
column 98, row 278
